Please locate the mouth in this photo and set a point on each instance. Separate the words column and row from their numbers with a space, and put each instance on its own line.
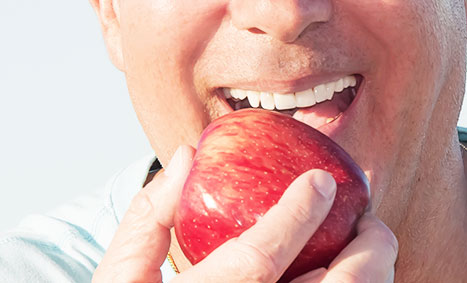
column 321, row 106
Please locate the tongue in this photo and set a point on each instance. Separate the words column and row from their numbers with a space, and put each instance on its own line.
column 324, row 112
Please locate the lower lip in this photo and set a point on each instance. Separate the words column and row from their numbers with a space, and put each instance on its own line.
column 329, row 129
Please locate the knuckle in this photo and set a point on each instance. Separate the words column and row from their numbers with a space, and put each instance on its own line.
column 379, row 231
column 386, row 237
column 141, row 204
column 348, row 277
column 254, row 264
column 299, row 214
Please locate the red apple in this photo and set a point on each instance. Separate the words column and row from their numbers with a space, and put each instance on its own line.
column 244, row 162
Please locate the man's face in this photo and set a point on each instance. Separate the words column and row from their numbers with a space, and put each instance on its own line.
column 179, row 56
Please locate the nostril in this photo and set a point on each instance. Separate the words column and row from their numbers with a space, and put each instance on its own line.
column 256, row 31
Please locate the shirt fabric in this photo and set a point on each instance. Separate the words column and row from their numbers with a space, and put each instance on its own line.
column 67, row 244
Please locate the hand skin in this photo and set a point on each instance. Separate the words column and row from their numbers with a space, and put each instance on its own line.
column 260, row 254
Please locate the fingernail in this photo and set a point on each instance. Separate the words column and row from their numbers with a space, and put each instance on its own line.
column 175, row 163
column 323, row 183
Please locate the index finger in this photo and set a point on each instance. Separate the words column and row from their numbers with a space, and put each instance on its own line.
column 142, row 240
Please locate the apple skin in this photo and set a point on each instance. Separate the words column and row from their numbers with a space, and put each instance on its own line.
column 244, row 162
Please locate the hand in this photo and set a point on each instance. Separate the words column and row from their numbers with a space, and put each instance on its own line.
column 260, row 254
column 370, row 257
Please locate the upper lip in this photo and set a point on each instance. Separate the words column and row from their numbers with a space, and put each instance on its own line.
column 288, row 86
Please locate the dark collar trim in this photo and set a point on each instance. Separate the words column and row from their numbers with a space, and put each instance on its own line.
column 155, row 167
column 462, row 134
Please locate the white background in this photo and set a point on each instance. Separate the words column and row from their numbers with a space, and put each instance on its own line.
column 66, row 122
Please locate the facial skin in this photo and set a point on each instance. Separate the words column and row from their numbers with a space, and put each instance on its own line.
column 401, row 128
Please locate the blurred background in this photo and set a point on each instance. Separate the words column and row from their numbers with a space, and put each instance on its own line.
column 66, row 121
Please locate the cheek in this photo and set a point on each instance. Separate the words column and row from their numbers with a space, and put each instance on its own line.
column 165, row 38
column 411, row 38
column 405, row 29
column 161, row 42
column 404, row 86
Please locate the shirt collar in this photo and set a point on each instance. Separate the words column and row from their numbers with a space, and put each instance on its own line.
column 127, row 184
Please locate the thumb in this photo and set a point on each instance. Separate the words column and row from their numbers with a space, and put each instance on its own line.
column 142, row 240
column 264, row 251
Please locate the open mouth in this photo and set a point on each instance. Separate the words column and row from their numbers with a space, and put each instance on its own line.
column 317, row 106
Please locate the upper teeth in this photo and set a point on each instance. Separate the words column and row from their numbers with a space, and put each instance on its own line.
column 279, row 101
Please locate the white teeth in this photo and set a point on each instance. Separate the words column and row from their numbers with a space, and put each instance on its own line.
column 238, row 93
column 339, row 85
column 304, row 98
column 227, row 93
column 350, row 81
column 253, row 98
column 267, row 100
column 284, row 101
column 330, row 87
column 320, row 93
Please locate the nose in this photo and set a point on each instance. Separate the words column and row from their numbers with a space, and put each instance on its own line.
column 284, row 20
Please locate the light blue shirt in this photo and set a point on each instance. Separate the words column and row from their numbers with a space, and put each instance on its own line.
column 67, row 244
